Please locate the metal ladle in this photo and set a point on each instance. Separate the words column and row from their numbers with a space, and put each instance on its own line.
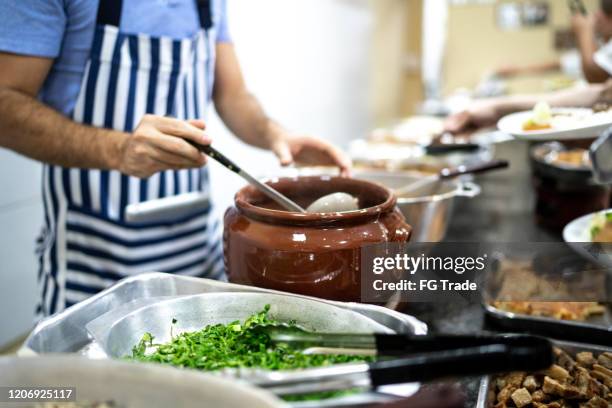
column 271, row 193
column 601, row 157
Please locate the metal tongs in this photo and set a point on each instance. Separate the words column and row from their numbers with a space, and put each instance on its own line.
column 601, row 157
column 423, row 358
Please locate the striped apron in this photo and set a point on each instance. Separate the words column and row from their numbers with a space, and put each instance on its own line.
column 88, row 242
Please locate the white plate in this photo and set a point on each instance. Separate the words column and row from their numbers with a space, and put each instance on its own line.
column 513, row 125
column 578, row 234
column 131, row 385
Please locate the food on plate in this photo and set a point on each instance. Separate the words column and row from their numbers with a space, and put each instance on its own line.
column 521, row 290
column 556, row 310
column 601, row 227
column 581, row 381
column 420, row 130
column 541, row 118
column 393, row 157
column 234, row 345
column 572, row 157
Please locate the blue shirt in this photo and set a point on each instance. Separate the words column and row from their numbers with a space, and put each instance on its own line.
column 63, row 30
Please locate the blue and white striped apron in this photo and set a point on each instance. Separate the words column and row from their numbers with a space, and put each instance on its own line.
column 87, row 244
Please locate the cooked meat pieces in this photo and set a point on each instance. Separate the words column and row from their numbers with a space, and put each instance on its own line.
column 585, row 359
column 583, row 382
column 521, row 397
column 602, row 374
column 554, row 387
column 595, row 402
column 605, row 360
column 557, row 372
column 564, row 359
column 587, row 385
column 540, row 396
column 531, row 383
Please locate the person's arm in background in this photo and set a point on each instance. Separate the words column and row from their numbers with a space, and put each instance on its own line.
column 584, row 30
column 31, row 37
column 509, row 71
column 486, row 112
column 244, row 116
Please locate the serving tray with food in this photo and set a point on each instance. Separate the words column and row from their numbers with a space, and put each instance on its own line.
column 544, row 123
column 581, row 376
column 520, row 296
column 67, row 332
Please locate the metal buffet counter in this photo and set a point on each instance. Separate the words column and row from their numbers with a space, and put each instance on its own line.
column 502, row 213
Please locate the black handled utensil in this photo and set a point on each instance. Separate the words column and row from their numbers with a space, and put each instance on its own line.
column 446, row 148
column 449, row 173
column 279, row 198
column 511, row 353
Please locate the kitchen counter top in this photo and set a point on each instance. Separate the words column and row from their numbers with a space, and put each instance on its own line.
column 502, row 213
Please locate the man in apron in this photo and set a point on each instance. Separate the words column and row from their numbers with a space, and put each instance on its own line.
column 123, row 87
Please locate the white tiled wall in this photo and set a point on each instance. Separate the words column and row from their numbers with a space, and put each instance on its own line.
column 20, row 221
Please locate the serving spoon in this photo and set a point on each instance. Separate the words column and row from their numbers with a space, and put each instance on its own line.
column 335, row 202
column 271, row 193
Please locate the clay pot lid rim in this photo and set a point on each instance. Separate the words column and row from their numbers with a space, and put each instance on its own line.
column 249, row 209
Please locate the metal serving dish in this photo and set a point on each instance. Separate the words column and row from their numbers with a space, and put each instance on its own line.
column 195, row 312
column 130, row 385
column 429, row 210
column 66, row 332
column 485, row 392
column 597, row 329
column 552, row 267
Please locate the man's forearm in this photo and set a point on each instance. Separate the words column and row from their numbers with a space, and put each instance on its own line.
column 33, row 129
column 245, row 117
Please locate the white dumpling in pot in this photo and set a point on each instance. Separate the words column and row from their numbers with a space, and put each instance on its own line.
column 336, row 202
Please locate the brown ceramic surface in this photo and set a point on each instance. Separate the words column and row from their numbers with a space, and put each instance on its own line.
column 311, row 254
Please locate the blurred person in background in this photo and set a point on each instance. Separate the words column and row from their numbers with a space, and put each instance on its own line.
column 596, row 61
column 589, row 61
column 487, row 111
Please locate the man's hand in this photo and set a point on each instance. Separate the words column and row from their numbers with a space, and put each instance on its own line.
column 245, row 117
column 159, row 143
column 480, row 114
column 310, row 151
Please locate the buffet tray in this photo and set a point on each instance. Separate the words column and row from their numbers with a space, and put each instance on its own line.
column 597, row 329
column 484, row 392
column 66, row 331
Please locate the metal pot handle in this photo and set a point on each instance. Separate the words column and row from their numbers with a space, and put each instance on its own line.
column 468, row 189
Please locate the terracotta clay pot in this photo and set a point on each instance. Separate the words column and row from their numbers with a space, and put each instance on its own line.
column 311, row 254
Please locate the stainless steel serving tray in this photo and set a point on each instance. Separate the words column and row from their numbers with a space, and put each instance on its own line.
column 485, row 395
column 598, row 329
column 66, row 332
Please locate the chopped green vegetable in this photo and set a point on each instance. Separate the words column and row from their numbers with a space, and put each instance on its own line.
column 594, row 231
column 231, row 345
